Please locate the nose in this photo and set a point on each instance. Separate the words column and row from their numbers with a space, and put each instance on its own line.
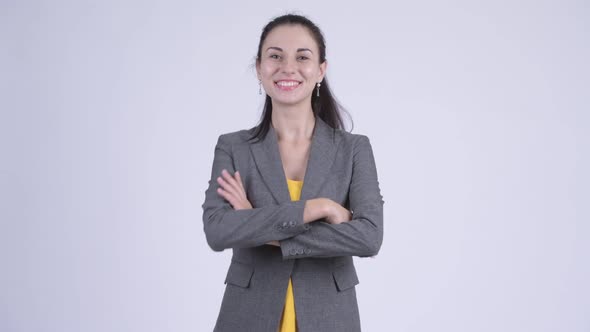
column 289, row 66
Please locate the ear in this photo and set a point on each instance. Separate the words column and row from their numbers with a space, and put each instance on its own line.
column 258, row 70
column 323, row 68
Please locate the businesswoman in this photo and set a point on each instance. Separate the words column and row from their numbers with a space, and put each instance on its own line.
column 294, row 197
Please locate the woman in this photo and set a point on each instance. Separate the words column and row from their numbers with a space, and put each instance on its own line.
column 295, row 197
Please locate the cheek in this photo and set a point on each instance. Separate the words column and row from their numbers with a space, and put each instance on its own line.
column 310, row 72
column 267, row 69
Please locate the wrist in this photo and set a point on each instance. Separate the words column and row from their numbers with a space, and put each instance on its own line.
column 317, row 208
column 326, row 207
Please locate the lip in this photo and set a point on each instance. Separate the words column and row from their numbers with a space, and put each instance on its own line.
column 287, row 87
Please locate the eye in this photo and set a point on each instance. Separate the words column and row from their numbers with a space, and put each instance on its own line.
column 303, row 57
column 274, row 56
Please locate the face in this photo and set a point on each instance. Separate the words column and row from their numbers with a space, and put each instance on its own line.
column 289, row 65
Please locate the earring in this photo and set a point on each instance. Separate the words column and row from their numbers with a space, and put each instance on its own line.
column 259, row 87
column 318, row 90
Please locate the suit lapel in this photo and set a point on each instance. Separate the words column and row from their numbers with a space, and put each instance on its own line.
column 321, row 158
column 268, row 160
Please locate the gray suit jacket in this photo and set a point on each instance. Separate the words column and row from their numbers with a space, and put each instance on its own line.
column 318, row 255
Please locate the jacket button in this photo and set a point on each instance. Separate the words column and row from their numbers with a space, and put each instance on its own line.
column 285, row 224
column 293, row 251
column 300, row 251
column 291, row 223
column 307, row 251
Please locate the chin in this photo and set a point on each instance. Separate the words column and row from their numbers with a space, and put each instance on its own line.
column 283, row 102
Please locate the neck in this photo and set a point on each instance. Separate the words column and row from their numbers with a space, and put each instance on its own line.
column 293, row 124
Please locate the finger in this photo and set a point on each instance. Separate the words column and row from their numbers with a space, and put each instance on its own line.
column 239, row 180
column 227, row 196
column 237, row 185
column 227, row 187
column 244, row 197
column 230, row 179
column 222, row 183
column 235, row 202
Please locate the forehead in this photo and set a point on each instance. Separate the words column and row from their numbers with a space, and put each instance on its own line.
column 290, row 37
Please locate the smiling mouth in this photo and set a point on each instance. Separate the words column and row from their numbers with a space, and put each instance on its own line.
column 287, row 85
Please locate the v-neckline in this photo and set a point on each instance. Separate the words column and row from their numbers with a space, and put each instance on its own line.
column 267, row 157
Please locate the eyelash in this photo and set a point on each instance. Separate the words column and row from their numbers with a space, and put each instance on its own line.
column 276, row 56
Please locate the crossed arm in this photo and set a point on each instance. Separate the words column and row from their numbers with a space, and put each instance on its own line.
column 316, row 227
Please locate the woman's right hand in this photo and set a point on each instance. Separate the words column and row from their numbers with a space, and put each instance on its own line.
column 232, row 190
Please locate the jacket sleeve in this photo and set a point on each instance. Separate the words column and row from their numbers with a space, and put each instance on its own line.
column 228, row 228
column 362, row 236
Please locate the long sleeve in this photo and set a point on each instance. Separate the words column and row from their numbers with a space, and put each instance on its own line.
column 228, row 228
column 362, row 236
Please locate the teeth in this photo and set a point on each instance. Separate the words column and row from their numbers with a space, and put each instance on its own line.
column 283, row 83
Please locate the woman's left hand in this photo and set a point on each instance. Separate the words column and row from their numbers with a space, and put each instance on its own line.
column 233, row 190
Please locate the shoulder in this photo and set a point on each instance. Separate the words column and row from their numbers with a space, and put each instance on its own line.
column 236, row 138
column 240, row 136
column 354, row 141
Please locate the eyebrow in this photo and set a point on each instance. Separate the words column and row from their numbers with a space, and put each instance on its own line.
column 298, row 50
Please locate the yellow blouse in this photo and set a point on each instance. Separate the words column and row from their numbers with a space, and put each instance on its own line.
column 288, row 320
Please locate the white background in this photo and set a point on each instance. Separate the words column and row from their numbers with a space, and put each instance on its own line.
column 477, row 112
